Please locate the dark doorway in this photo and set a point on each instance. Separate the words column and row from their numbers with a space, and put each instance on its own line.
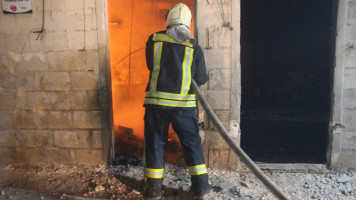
column 287, row 57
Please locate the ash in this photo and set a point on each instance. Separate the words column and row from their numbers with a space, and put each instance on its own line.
column 124, row 182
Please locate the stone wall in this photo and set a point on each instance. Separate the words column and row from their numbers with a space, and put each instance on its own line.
column 53, row 90
column 342, row 150
column 219, row 38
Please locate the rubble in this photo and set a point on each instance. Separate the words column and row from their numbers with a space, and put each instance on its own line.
column 124, row 181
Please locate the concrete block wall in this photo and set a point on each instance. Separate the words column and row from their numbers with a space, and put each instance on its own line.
column 53, row 91
column 219, row 39
column 343, row 130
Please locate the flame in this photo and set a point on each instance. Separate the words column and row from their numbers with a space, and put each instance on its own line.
column 130, row 24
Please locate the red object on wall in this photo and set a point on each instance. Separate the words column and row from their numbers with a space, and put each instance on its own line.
column 13, row 8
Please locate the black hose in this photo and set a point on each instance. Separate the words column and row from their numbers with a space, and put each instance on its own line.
column 242, row 155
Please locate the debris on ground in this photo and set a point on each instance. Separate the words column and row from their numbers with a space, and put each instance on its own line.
column 124, row 182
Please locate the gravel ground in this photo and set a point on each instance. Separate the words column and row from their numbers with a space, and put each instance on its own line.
column 124, row 182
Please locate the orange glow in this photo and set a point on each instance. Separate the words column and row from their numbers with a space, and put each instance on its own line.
column 130, row 24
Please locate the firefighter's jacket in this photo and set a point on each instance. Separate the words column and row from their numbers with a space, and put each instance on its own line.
column 172, row 66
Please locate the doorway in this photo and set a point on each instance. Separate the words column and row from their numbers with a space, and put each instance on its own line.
column 287, row 50
column 131, row 22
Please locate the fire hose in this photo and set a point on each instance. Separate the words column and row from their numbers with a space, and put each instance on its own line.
column 235, row 147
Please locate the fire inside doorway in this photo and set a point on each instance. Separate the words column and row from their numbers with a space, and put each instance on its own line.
column 131, row 22
column 287, row 56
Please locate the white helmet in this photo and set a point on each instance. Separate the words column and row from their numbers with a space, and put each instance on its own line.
column 179, row 14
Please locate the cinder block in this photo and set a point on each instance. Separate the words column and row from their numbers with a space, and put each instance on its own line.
column 7, row 80
column 50, row 41
column 6, row 156
column 3, row 47
column 65, row 20
column 350, row 78
column 211, row 11
column 90, row 16
column 350, row 36
column 349, row 99
column 78, row 139
column 58, row 120
column 234, row 161
column 89, row 157
column 8, row 22
column 6, row 63
column 351, row 14
column 60, row 5
column 7, row 100
column 52, row 80
column 350, row 58
column 7, row 121
column 348, row 141
column 85, row 100
column 33, row 100
column 30, row 62
column 45, row 156
column 219, row 79
column 36, row 138
column 66, row 60
column 90, row 3
column 13, row 42
column 91, row 40
column 219, row 99
column 61, row 100
column 30, row 120
column 87, row 119
column 76, row 40
column 8, row 138
column 20, row 23
column 93, row 60
column 214, row 140
column 40, row 119
column 349, row 120
column 218, row 37
column 347, row 160
column 104, row 100
column 217, row 58
column 25, row 80
column 218, row 158
column 85, row 80
column 36, row 156
column 224, row 117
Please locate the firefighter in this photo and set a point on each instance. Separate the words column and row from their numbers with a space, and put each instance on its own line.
column 174, row 59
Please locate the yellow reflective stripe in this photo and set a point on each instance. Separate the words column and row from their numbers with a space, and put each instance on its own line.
column 156, row 65
column 186, row 66
column 199, row 173
column 166, row 38
column 197, row 166
column 154, row 170
column 197, row 169
column 171, row 103
column 170, row 95
column 154, row 173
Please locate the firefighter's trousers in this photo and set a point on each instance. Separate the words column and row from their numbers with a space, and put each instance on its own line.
column 185, row 124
